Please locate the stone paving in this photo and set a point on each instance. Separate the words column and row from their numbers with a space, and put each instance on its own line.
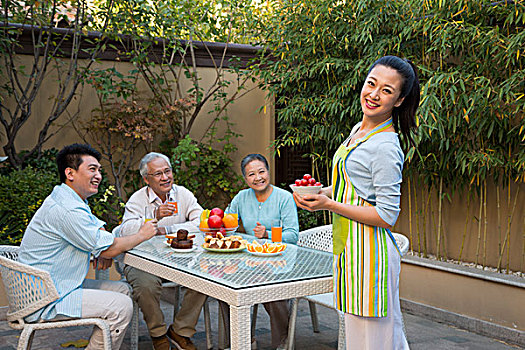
column 422, row 334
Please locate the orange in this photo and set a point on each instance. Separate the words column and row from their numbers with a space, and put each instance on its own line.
column 230, row 221
column 203, row 224
column 272, row 248
column 258, row 248
column 250, row 248
column 282, row 247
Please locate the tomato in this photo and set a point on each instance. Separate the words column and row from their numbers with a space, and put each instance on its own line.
column 297, row 182
column 312, row 181
column 307, row 176
column 304, row 182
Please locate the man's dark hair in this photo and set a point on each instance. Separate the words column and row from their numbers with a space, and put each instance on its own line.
column 71, row 157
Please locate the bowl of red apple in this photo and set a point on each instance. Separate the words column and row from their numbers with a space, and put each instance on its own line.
column 306, row 185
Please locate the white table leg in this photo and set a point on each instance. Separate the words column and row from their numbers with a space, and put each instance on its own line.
column 240, row 332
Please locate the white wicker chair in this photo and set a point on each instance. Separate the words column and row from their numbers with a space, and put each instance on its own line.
column 29, row 289
column 321, row 238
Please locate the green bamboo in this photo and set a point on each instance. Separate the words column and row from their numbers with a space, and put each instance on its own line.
column 498, row 206
column 410, row 212
column 479, row 225
column 440, row 201
column 507, row 234
column 424, row 225
column 522, row 264
column 417, row 219
column 467, row 219
column 486, row 223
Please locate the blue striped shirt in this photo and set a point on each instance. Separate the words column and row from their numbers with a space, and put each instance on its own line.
column 60, row 239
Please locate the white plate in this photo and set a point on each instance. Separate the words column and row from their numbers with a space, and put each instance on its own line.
column 181, row 250
column 265, row 254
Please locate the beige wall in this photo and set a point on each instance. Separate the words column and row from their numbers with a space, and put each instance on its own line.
column 481, row 299
column 454, row 218
column 256, row 127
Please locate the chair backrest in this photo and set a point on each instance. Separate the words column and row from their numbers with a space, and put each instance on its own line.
column 9, row 251
column 402, row 242
column 319, row 238
column 28, row 288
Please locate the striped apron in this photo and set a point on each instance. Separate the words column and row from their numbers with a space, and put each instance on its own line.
column 360, row 251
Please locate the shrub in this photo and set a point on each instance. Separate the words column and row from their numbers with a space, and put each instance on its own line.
column 206, row 171
column 21, row 194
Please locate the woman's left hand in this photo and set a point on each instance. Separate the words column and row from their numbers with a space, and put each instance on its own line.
column 312, row 202
column 259, row 231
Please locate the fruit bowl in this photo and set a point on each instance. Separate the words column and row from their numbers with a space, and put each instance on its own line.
column 302, row 190
column 215, row 230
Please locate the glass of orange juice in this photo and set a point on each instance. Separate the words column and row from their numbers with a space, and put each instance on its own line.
column 172, row 199
column 277, row 231
column 149, row 213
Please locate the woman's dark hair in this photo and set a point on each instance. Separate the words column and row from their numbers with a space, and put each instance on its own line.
column 404, row 116
column 250, row 158
column 71, row 157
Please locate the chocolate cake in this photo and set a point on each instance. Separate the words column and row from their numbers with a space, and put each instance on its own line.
column 182, row 241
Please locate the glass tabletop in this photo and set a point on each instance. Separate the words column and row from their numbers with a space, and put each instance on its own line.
column 239, row 270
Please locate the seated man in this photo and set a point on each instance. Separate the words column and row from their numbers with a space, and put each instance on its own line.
column 155, row 169
column 64, row 234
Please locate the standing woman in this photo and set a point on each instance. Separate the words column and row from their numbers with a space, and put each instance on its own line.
column 364, row 200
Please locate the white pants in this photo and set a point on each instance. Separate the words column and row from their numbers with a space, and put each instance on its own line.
column 381, row 333
column 109, row 300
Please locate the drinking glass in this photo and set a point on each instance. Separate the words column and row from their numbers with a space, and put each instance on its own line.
column 172, row 199
column 277, row 231
column 149, row 213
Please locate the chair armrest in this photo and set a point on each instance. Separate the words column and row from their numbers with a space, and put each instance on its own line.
column 28, row 288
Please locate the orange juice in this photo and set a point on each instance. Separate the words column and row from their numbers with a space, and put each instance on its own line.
column 277, row 234
column 176, row 210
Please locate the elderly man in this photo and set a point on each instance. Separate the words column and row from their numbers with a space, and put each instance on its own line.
column 62, row 237
column 173, row 205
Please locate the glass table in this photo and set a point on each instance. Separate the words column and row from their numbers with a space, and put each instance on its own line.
column 240, row 279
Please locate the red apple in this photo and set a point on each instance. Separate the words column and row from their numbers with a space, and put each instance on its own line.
column 217, row 211
column 318, row 184
column 312, row 181
column 297, row 182
column 307, row 176
column 214, row 221
column 304, row 182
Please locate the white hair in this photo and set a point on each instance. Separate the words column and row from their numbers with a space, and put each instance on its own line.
column 143, row 166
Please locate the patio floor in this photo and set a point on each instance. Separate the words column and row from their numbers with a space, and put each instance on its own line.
column 422, row 333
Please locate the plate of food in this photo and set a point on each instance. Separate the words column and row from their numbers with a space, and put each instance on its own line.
column 265, row 249
column 222, row 244
column 180, row 242
column 182, row 250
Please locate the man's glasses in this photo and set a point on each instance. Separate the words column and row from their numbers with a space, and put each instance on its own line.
column 158, row 174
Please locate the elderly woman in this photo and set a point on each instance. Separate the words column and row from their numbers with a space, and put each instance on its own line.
column 260, row 207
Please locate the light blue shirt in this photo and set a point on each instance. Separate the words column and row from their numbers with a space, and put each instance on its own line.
column 375, row 168
column 279, row 207
column 60, row 239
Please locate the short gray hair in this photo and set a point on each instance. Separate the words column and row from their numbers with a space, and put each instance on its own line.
column 143, row 166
